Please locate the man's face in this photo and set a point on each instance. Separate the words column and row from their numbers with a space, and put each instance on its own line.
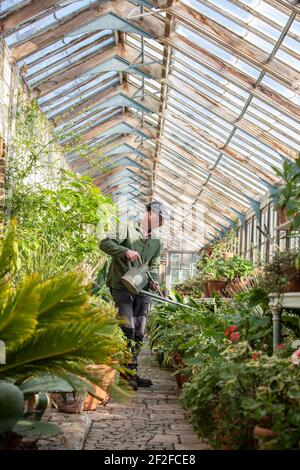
column 155, row 220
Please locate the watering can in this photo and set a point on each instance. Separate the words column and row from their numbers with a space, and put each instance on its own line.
column 136, row 278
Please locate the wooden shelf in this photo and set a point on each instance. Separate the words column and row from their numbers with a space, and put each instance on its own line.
column 284, row 227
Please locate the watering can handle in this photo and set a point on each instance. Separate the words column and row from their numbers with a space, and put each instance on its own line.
column 139, row 258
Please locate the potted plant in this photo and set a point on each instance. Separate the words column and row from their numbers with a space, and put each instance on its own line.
column 219, row 270
column 15, row 421
column 286, row 196
column 281, row 274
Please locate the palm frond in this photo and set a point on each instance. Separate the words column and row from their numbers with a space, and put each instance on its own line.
column 61, row 298
column 18, row 313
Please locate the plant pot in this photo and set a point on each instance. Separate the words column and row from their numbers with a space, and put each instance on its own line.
column 206, row 290
column 259, row 431
column 217, row 287
column 293, row 286
column 68, row 402
column 181, row 379
column 106, row 376
column 282, row 215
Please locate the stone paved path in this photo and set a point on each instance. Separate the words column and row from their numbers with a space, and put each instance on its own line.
column 154, row 419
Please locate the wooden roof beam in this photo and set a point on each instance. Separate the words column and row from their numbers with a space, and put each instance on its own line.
column 245, row 125
column 230, row 181
column 214, row 63
column 230, row 41
column 25, row 13
column 125, row 88
column 87, row 64
column 226, row 200
column 127, row 118
column 80, row 18
column 218, row 210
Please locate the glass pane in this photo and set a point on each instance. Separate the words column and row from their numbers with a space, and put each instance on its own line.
column 175, row 260
column 175, row 276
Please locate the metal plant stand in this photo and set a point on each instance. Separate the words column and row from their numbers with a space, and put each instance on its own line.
column 277, row 304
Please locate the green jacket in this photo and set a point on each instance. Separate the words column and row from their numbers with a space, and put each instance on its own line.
column 129, row 237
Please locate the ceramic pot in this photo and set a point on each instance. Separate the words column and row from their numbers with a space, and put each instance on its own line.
column 216, row 286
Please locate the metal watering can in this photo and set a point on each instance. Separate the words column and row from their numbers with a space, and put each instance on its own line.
column 137, row 278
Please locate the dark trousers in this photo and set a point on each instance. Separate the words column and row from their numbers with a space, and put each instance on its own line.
column 133, row 311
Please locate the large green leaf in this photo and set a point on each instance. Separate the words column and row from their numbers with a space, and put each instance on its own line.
column 45, row 383
column 27, row 428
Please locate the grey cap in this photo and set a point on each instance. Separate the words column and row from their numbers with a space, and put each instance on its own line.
column 156, row 206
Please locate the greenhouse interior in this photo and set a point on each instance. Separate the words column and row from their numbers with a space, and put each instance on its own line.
column 150, row 222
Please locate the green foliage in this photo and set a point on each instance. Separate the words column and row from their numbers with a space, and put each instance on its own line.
column 188, row 332
column 280, row 271
column 60, row 214
column 53, row 326
column 192, row 287
column 216, row 266
column 287, row 194
column 58, row 228
column 230, row 395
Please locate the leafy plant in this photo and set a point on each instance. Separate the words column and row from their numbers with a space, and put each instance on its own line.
column 228, row 397
column 281, row 271
column 58, row 228
column 192, row 287
column 13, row 416
column 218, row 267
column 53, row 326
column 287, row 194
column 191, row 333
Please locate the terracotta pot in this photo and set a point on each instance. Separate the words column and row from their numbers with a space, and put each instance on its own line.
column 293, row 286
column 106, row 379
column 178, row 360
column 282, row 215
column 181, row 379
column 216, row 286
column 258, row 431
column 206, row 290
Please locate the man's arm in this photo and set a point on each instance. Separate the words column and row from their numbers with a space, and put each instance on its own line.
column 112, row 244
column 113, row 247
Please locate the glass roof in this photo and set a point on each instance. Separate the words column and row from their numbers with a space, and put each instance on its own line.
column 194, row 101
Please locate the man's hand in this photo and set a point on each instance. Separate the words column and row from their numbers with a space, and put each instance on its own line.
column 154, row 286
column 132, row 255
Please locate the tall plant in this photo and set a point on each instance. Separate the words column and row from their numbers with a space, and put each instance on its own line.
column 52, row 326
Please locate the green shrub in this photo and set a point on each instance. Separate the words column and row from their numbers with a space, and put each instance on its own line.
column 231, row 394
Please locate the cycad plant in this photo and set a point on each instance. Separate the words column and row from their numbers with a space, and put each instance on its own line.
column 53, row 326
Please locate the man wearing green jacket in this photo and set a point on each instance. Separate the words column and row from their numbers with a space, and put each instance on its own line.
column 132, row 241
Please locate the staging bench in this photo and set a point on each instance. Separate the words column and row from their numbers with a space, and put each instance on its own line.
column 277, row 304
